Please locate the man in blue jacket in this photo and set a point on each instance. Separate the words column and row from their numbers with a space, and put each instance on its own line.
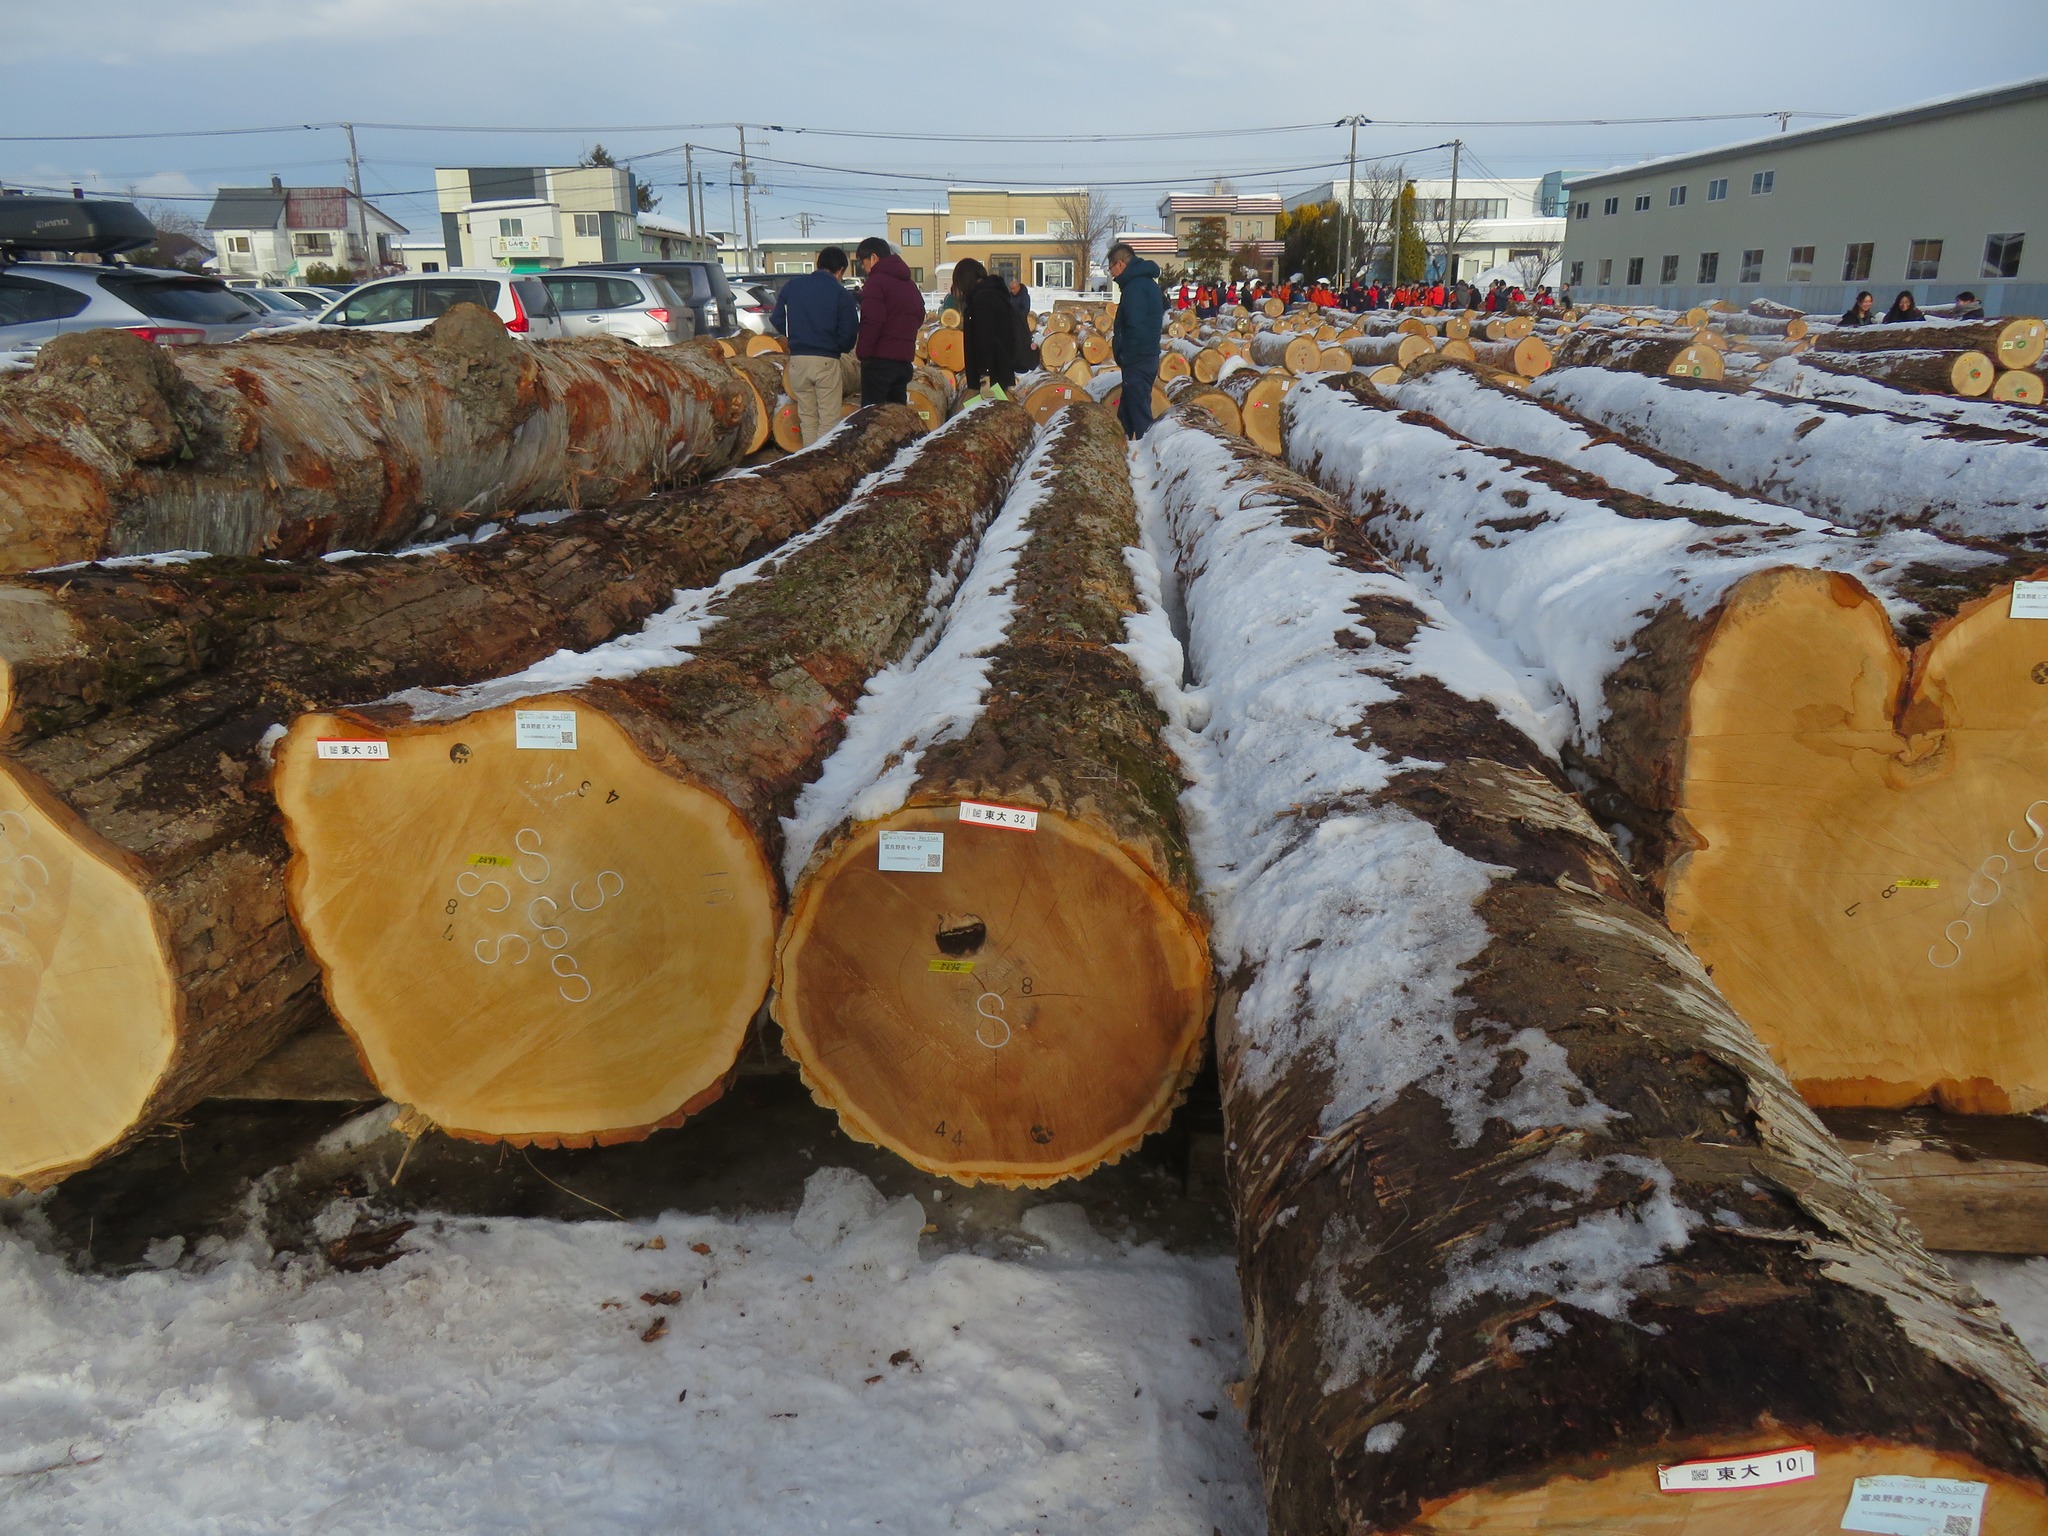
column 818, row 317
column 1140, row 311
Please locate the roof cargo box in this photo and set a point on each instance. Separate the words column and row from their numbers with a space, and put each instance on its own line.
column 76, row 226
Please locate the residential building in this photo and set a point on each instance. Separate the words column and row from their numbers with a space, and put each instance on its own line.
column 532, row 218
column 1247, row 221
column 1022, row 234
column 665, row 239
column 276, row 232
column 422, row 255
column 1496, row 221
column 1937, row 197
column 798, row 253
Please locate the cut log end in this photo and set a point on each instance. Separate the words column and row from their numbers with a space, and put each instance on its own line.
column 1880, row 815
column 972, row 1021
column 528, row 938
column 88, row 1003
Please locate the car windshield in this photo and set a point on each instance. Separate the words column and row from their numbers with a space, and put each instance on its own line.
column 274, row 303
column 192, row 299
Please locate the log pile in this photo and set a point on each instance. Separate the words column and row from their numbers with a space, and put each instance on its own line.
column 1524, row 1213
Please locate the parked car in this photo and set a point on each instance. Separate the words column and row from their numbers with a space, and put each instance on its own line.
column 273, row 302
column 44, row 299
column 415, row 301
column 639, row 307
column 699, row 284
column 314, row 299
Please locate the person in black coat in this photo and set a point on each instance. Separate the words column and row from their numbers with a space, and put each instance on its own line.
column 1903, row 310
column 1020, row 301
column 988, row 324
column 1859, row 312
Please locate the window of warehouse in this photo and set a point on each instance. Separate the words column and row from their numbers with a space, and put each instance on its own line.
column 1856, row 262
column 1635, row 270
column 1678, row 197
column 1923, row 261
column 1585, row 210
column 1800, row 268
column 1611, row 206
column 1710, row 266
column 1606, row 273
column 1669, row 272
column 1642, row 202
column 1578, row 273
column 1760, row 184
column 910, row 234
column 1717, row 191
column 1752, row 267
column 2001, row 255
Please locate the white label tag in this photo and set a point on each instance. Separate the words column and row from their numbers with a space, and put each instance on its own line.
column 1915, row 1506
column 353, row 751
column 922, row 853
column 2029, row 600
column 1731, row 1472
column 554, row 728
column 976, row 814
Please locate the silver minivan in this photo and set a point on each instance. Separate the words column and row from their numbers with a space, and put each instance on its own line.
column 639, row 307
column 417, row 300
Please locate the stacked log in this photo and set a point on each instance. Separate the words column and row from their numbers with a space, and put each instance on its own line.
column 149, row 956
column 1673, row 353
column 1524, row 1213
column 1968, row 374
column 1033, row 1003
column 1962, row 357
column 934, row 393
column 571, row 914
column 310, row 442
column 1217, row 402
column 1834, row 837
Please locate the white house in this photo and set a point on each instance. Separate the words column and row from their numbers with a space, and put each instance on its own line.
column 276, row 232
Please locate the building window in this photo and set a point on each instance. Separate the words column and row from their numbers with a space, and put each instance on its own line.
column 1668, row 273
column 1642, row 202
column 1606, row 272
column 1760, row 184
column 1717, row 191
column 2001, row 255
column 1063, row 229
column 430, row 266
column 1635, row 270
column 1048, row 272
column 1016, row 226
column 1611, row 206
column 1678, row 197
column 1800, row 268
column 312, row 245
column 511, row 226
column 1578, row 273
column 1585, row 210
column 239, row 244
column 1752, row 267
column 1710, row 266
column 589, row 225
column 983, row 227
column 1856, row 262
column 910, row 235
column 917, row 273
column 1923, row 261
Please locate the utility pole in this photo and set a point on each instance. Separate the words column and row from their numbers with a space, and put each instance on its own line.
column 804, row 221
column 1784, row 121
column 1451, row 215
column 747, row 195
column 690, row 187
column 1347, row 219
column 355, row 183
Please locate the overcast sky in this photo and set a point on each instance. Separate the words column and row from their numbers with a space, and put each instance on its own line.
column 155, row 66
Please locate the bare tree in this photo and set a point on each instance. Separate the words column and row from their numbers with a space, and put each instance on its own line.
column 1372, row 212
column 1532, row 261
column 1091, row 225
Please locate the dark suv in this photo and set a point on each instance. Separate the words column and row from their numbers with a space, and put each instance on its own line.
column 699, row 284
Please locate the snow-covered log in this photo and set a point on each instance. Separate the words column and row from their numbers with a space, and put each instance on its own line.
column 1294, row 351
column 1797, row 379
column 145, row 953
column 308, row 442
column 1634, row 349
column 2011, row 343
column 1968, row 374
column 1034, row 1002
column 570, row 913
column 1211, row 398
column 1866, row 468
column 1523, row 1210
column 1655, row 620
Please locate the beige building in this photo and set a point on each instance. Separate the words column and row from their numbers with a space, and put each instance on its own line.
column 1022, row 234
column 532, row 218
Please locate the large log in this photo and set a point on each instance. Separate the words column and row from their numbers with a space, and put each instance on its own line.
column 562, row 942
column 149, row 954
column 2012, row 343
column 1523, row 1211
column 1033, row 1007
column 1296, row 353
column 1797, row 379
column 1968, row 374
column 1258, row 398
column 1399, row 348
column 310, row 442
column 1866, row 468
column 1846, row 841
column 1207, row 397
column 1679, row 355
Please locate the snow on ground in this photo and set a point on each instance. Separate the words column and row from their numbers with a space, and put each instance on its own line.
column 815, row 1374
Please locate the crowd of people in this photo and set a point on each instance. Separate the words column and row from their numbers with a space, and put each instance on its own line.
column 1207, row 298
column 1906, row 311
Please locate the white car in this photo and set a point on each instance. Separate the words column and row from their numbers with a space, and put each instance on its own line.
column 417, row 300
column 634, row 306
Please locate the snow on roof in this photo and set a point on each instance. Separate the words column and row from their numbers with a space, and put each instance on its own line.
column 1894, row 117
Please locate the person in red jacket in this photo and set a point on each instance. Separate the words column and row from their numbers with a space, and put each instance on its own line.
column 891, row 310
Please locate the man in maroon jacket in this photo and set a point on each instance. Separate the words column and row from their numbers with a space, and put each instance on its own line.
column 891, row 310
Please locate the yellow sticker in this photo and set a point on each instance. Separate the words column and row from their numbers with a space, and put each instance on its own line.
column 493, row 860
column 1918, row 883
column 953, row 967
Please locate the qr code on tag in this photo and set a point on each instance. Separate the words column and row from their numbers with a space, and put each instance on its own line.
column 1959, row 1525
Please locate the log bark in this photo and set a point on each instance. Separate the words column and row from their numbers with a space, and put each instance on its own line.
column 1969, row 374
column 1398, row 348
column 1785, row 327
column 2011, row 343
column 1036, row 1007
column 1527, row 356
column 934, row 394
column 1845, row 842
column 1637, row 350
column 565, row 944
column 307, row 443
column 149, row 952
column 1523, row 1210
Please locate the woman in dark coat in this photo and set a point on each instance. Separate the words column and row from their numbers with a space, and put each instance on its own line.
column 1859, row 312
column 1903, row 310
column 989, row 324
